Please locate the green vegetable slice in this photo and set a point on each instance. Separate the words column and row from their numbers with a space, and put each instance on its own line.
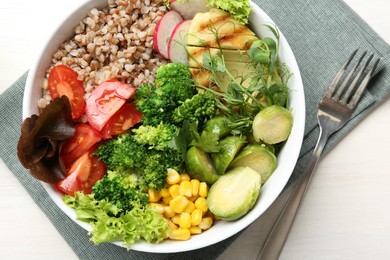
column 259, row 158
column 272, row 125
column 234, row 194
column 200, row 166
column 230, row 146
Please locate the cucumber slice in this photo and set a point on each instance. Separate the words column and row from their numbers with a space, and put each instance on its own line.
column 272, row 125
column 234, row 194
column 258, row 158
column 230, row 147
column 200, row 166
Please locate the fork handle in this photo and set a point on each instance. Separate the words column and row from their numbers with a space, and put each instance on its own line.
column 278, row 235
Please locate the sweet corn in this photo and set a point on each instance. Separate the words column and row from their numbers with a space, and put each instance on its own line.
column 173, row 176
column 185, row 220
column 174, row 190
column 203, row 189
column 200, row 203
column 154, row 196
column 183, row 204
column 171, row 225
column 206, row 223
column 164, row 192
column 166, row 200
column 195, row 230
column 168, row 212
column 179, row 203
column 190, row 207
column 176, row 219
column 180, row 234
column 184, row 177
column 195, row 187
column 196, row 217
column 185, row 188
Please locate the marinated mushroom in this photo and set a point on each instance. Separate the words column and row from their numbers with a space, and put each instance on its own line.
column 41, row 139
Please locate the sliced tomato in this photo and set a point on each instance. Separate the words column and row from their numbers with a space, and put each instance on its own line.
column 125, row 118
column 105, row 100
column 84, row 138
column 83, row 174
column 63, row 81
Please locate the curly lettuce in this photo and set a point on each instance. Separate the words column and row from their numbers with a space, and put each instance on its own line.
column 239, row 9
column 109, row 223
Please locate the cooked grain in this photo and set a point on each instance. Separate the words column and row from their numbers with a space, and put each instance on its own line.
column 114, row 42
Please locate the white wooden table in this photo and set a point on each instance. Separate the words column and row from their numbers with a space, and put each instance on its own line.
column 345, row 215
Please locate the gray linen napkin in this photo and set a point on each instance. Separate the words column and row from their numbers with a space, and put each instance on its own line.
column 322, row 34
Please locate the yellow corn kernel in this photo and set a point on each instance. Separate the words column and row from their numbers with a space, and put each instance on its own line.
column 203, row 189
column 185, row 189
column 158, row 207
column 206, row 223
column 168, row 212
column 196, row 217
column 195, row 230
column 200, row 203
column 174, row 190
column 185, row 220
column 154, row 196
column 180, row 234
column 171, row 225
column 179, row 203
column 164, row 192
column 175, row 219
column 173, row 177
column 184, row 177
column 195, row 187
column 190, row 207
column 166, row 200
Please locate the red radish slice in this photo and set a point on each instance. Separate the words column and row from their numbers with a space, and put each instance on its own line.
column 190, row 8
column 176, row 46
column 164, row 30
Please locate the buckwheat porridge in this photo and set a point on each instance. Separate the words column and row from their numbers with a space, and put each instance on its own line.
column 114, row 42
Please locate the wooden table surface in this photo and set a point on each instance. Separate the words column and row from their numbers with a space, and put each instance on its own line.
column 345, row 214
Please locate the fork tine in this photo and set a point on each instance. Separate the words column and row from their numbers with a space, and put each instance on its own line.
column 356, row 97
column 351, row 87
column 336, row 79
column 347, row 79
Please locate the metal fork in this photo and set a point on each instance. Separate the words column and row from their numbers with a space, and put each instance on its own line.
column 334, row 110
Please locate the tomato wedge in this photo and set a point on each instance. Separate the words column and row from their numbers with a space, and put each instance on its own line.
column 126, row 117
column 105, row 100
column 63, row 81
column 83, row 174
column 84, row 138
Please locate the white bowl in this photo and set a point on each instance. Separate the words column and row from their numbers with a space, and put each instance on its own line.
column 270, row 191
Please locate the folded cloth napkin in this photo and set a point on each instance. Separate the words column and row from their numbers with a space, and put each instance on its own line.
column 322, row 35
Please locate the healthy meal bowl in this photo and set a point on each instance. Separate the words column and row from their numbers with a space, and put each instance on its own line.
column 124, row 64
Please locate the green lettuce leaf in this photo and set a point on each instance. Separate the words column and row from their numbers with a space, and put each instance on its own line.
column 239, row 9
column 109, row 223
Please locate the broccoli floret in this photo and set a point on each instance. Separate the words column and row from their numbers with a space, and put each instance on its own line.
column 142, row 93
column 199, row 108
column 158, row 137
column 178, row 77
column 125, row 154
column 120, row 189
column 173, row 86
column 115, row 153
